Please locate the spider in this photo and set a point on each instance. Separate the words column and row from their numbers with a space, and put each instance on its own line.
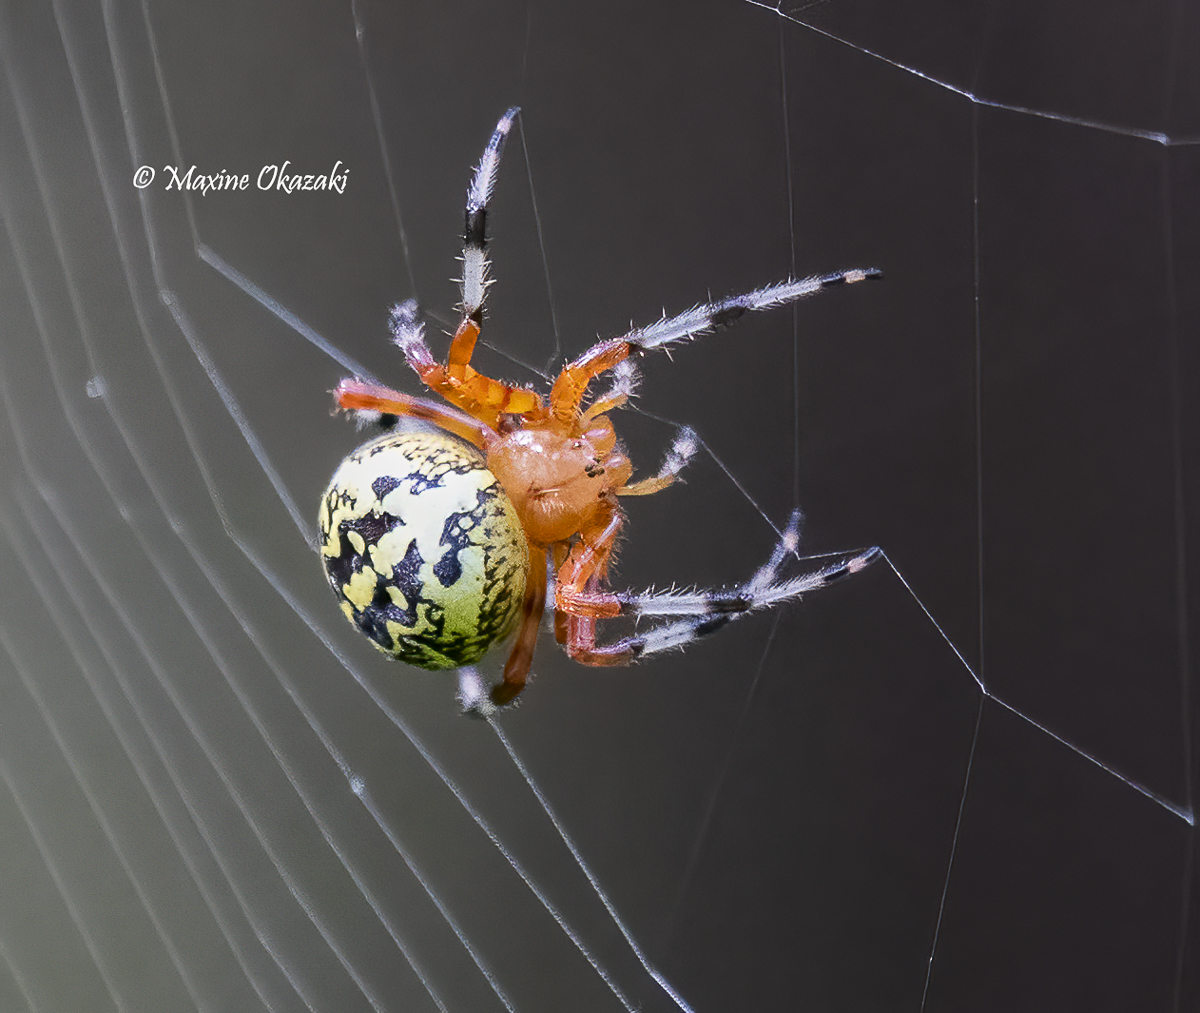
column 437, row 537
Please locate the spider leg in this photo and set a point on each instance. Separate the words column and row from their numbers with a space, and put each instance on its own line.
column 711, row 316
column 475, row 263
column 466, row 388
column 572, row 382
column 576, row 587
column 625, row 380
column 558, row 556
column 682, row 451
column 359, row 395
column 582, row 646
column 516, row 669
column 472, row 392
column 699, row 612
column 579, row 599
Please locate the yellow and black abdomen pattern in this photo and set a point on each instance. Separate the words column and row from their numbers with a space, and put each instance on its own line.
column 423, row 548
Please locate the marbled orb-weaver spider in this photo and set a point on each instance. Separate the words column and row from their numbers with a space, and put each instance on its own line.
column 436, row 539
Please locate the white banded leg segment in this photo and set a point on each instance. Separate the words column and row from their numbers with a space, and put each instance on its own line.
column 789, row 542
column 480, row 191
column 704, row 612
column 475, row 282
column 710, row 316
column 408, row 334
column 625, row 379
column 475, row 263
column 683, row 449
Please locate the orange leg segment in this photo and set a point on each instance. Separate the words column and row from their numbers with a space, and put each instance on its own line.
column 465, row 388
column 569, row 388
column 516, row 669
column 577, row 591
column 581, row 646
column 580, row 596
column 480, row 395
column 462, row 347
column 558, row 556
column 647, row 486
column 358, row 394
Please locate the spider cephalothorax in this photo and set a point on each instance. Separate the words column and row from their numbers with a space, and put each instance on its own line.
column 437, row 541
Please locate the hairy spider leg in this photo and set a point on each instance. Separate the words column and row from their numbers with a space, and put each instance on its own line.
column 683, row 449
column 475, row 263
column 569, row 388
column 707, row 317
column 457, row 381
column 581, row 564
column 697, row 613
column 566, row 395
column 359, row 395
column 587, row 559
column 465, row 388
column 580, row 594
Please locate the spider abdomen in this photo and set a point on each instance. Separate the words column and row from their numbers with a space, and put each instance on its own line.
column 424, row 549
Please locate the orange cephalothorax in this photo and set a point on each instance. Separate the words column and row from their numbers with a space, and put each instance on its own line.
column 557, row 480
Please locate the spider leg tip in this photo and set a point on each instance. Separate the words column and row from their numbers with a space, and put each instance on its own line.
column 853, row 566
column 864, row 560
column 473, row 694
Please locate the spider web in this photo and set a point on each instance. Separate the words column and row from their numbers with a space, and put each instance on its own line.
column 962, row 779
